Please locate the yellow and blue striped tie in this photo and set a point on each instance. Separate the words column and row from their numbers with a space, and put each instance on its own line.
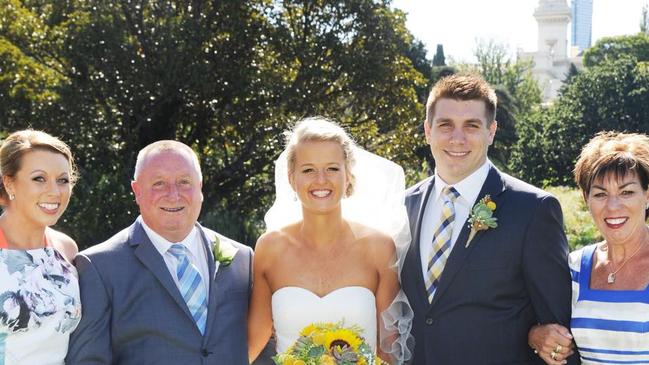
column 190, row 286
column 441, row 241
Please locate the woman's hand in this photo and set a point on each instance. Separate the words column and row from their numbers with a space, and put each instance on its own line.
column 552, row 342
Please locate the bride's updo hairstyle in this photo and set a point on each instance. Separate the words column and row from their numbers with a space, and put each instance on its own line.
column 320, row 129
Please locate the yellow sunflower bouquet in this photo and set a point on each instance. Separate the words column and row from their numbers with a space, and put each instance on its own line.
column 329, row 344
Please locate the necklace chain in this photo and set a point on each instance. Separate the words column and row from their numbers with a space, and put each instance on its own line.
column 611, row 275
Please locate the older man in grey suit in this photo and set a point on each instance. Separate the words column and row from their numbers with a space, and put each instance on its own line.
column 164, row 290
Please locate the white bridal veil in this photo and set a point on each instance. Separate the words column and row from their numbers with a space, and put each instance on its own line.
column 377, row 202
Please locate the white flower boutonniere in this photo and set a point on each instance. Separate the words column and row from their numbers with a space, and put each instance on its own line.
column 223, row 252
column 481, row 217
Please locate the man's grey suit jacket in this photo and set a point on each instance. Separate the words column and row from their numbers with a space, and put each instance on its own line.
column 134, row 314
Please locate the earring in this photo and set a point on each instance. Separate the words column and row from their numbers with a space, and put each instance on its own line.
column 294, row 197
column 12, row 197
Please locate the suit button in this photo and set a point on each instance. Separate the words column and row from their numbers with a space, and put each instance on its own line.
column 429, row 321
column 205, row 353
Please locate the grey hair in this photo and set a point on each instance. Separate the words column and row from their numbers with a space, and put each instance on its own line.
column 162, row 146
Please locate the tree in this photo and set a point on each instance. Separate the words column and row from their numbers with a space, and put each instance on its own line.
column 442, row 71
column 612, row 48
column 515, row 76
column 131, row 73
column 507, row 133
column 644, row 20
column 225, row 77
column 611, row 95
column 527, row 160
column 417, row 56
column 438, row 58
column 572, row 72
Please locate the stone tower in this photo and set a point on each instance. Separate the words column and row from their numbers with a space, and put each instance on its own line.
column 551, row 60
column 553, row 17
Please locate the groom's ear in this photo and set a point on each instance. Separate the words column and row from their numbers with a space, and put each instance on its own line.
column 493, row 127
column 426, row 130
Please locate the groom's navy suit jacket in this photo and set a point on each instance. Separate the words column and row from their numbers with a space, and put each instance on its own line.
column 492, row 292
column 133, row 312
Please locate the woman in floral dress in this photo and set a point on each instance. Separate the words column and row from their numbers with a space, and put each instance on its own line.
column 39, row 291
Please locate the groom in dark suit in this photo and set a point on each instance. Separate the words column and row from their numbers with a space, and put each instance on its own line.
column 489, row 256
column 165, row 290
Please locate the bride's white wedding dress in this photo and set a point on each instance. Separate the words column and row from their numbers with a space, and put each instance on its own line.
column 295, row 308
column 377, row 202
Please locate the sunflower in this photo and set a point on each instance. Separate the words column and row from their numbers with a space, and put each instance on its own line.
column 342, row 337
column 328, row 344
column 308, row 330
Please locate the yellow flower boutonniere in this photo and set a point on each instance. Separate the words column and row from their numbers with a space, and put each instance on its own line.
column 223, row 252
column 481, row 217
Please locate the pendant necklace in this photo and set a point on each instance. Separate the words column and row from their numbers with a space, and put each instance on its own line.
column 611, row 275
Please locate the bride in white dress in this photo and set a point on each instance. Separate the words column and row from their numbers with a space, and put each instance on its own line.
column 329, row 253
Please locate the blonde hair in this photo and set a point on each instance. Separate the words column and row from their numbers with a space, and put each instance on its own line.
column 19, row 143
column 320, row 129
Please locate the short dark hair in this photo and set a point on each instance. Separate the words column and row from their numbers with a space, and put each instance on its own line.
column 462, row 87
column 615, row 154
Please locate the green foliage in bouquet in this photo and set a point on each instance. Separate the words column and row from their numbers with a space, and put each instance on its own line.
column 329, row 344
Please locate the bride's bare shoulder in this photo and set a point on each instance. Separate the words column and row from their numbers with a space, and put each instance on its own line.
column 373, row 239
column 275, row 241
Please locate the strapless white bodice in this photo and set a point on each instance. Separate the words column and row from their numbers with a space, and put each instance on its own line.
column 295, row 308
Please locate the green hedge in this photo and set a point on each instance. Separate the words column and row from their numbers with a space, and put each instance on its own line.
column 580, row 229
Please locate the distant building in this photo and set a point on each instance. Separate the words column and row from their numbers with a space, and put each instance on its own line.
column 582, row 24
column 552, row 60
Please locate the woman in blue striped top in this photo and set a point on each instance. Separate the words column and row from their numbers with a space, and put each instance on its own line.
column 610, row 296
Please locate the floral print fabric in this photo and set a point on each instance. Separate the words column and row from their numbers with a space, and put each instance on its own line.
column 39, row 306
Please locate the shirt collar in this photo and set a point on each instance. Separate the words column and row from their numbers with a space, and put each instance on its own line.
column 469, row 187
column 162, row 245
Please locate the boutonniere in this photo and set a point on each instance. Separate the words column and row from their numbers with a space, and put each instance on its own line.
column 481, row 217
column 223, row 252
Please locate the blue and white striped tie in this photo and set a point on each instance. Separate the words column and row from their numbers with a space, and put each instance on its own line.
column 190, row 286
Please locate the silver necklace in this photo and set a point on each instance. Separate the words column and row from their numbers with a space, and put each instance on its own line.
column 611, row 275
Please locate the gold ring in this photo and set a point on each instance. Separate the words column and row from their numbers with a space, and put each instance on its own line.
column 558, row 349
column 553, row 355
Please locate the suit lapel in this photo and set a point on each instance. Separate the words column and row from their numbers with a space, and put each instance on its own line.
column 493, row 186
column 153, row 261
column 419, row 199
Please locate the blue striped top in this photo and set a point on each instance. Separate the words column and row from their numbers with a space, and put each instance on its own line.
column 609, row 326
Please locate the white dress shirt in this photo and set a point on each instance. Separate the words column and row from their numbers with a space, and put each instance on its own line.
column 469, row 188
column 196, row 253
